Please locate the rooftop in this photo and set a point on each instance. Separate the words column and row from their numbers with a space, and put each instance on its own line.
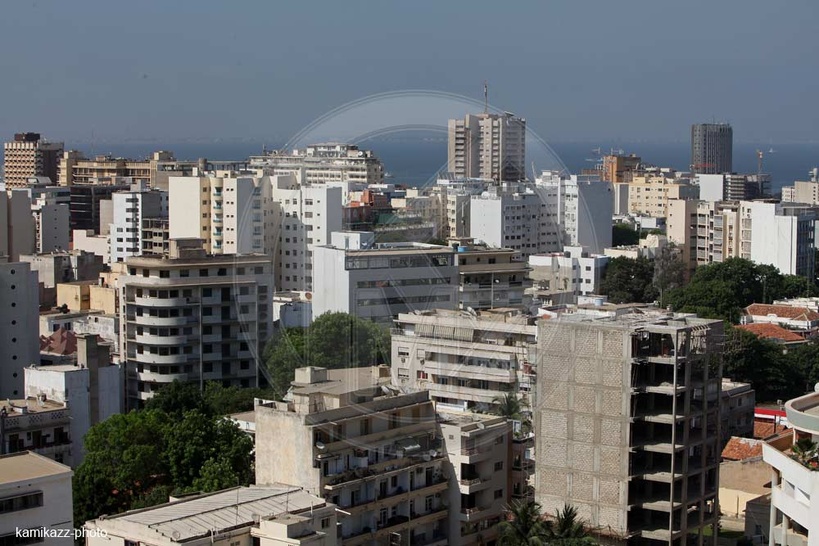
column 339, row 382
column 199, row 516
column 781, row 311
column 28, row 405
column 27, row 465
column 740, row 449
column 770, row 331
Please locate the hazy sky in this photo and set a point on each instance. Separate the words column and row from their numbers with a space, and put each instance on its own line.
column 201, row 69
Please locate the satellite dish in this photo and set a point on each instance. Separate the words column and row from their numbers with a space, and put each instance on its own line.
column 320, row 446
column 176, row 535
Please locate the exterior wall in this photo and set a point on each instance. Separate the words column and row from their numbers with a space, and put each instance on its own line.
column 20, row 224
column 28, row 157
column 51, row 224
column 86, row 241
column 129, row 210
column 19, row 335
column 55, row 512
column 804, row 192
column 589, row 214
column 712, row 148
column 572, row 271
column 711, row 186
column 490, row 146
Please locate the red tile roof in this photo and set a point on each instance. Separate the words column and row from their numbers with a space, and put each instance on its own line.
column 772, row 331
column 61, row 342
column 782, row 311
column 739, row 449
column 764, row 428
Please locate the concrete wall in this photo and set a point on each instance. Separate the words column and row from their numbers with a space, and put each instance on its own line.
column 19, row 334
column 741, row 481
column 284, row 450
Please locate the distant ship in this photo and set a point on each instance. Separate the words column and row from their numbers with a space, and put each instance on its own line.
column 388, row 174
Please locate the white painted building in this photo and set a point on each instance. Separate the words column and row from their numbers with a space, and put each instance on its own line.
column 99, row 245
column 711, row 186
column 784, row 241
column 293, row 309
column 130, row 208
column 794, row 483
column 574, row 270
column 19, row 333
column 378, row 281
column 491, row 146
column 302, row 219
column 92, row 385
column 324, row 164
column 35, row 494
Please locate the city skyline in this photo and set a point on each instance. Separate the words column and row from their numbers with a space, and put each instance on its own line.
column 216, row 72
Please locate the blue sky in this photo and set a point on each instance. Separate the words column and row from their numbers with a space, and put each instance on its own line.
column 201, row 69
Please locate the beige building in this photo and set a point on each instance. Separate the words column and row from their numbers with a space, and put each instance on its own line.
column 464, row 360
column 375, row 454
column 479, row 448
column 274, row 515
column 35, row 498
column 29, row 155
column 490, row 277
column 490, row 146
column 618, row 168
column 627, row 423
column 329, row 163
column 649, row 193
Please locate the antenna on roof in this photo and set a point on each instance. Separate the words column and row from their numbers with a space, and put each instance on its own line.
column 485, row 97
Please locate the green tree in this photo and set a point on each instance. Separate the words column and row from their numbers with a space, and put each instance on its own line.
column 524, row 525
column 334, row 340
column 179, row 397
column 761, row 362
column 568, row 529
column 669, row 271
column 624, row 235
column 125, row 459
column 629, row 281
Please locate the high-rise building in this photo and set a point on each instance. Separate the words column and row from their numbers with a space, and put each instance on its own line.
column 649, row 193
column 193, row 317
column 29, row 155
column 627, row 423
column 130, row 210
column 17, row 225
column 375, row 454
column 712, row 148
column 19, row 335
column 87, row 202
column 794, row 496
column 465, row 360
column 491, row 146
column 378, row 281
column 324, row 164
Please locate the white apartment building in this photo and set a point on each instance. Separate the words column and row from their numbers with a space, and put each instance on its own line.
column 465, row 360
column 376, row 455
column 794, row 479
column 19, row 334
column 35, row 494
column 766, row 233
column 273, row 515
column 514, row 216
column 92, row 385
column 455, row 195
column 491, row 146
column 302, row 219
column 37, row 424
column 378, row 281
column 574, row 271
column 193, row 317
column 324, row 164
column 130, row 209
column 581, row 206
column 223, row 209
column 479, row 450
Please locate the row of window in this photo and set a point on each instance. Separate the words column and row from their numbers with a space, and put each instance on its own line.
column 372, row 302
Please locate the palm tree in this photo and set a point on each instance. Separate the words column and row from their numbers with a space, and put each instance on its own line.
column 512, row 407
column 568, row 529
column 524, row 526
column 804, row 450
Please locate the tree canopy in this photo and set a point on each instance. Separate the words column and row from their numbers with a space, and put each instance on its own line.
column 526, row 526
column 179, row 444
column 629, row 281
column 624, row 235
column 334, row 340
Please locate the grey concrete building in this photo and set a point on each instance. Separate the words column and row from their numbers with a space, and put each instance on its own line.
column 627, row 423
column 712, row 148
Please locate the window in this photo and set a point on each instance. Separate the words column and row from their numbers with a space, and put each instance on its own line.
column 325, row 523
column 498, row 493
column 498, row 466
column 22, row 502
column 428, row 500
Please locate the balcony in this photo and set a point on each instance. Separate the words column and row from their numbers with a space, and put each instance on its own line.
column 377, row 439
column 473, row 485
column 146, row 320
column 466, row 393
column 788, row 497
column 477, row 513
column 499, row 375
column 383, row 469
column 397, row 497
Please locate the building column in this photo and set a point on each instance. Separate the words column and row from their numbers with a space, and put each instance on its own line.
column 772, row 521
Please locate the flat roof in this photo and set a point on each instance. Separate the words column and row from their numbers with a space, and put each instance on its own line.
column 342, row 381
column 198, row 516
column 27, row 465
column 31, row 404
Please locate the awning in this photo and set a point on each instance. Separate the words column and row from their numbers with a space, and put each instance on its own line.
column 408, row 444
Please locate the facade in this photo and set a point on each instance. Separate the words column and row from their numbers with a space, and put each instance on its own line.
column 35, row 494
column 794, row 481
column 156, row 235
column 51, row 227
column 193, row 317
column 87, row 202
column 489, row 277
column 19, row 335
column 378, row 281
column 274, row 515
column 490, row 146
column 574, row 271
column 329, row 163
column 64, row 266
column 618, row 168
column 712, row 148
column 627, row 427
column 746, row 187
column 130, row 210
column 29, row 155
column 737, row 409
column 379, row 457
column 479, row 449
column 92, row 385
column 39, row 425
column 85, row 240
column 292, row 309
column 17, row 227
column 466, row 361
column 786, row 241
column 649, row 194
